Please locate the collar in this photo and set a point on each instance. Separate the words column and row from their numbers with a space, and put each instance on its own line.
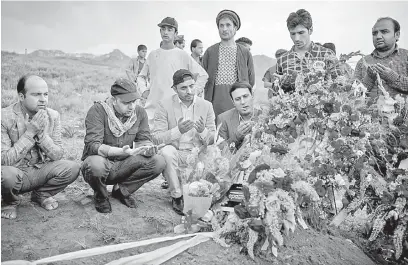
column 192, row 104
column 376, row 55
column 312, row 46
column 240, row 118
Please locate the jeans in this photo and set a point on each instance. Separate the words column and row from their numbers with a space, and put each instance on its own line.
column 44, row 182
column 130, row 174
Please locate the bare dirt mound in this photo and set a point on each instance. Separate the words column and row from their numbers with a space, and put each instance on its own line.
column 75, row 225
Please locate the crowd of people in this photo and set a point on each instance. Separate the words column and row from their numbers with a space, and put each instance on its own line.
column 187, row 96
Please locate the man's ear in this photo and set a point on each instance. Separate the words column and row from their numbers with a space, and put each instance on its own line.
column 174, row 88
column 21, row 96
column 397, row 35
column 311, row 30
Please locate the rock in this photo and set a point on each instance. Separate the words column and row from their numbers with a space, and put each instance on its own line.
column 85, row 201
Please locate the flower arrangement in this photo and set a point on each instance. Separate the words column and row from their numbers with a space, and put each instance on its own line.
column 322, row 150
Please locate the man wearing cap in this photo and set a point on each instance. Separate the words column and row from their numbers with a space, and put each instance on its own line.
column 236, row 123
column 226, row 63
column 118, row 147
column 161, row 64
column 179, row 42
column 182, row 122
column 32, row 149
column 247, row 43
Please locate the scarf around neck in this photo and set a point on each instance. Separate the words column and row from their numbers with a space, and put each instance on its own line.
column 115, row 124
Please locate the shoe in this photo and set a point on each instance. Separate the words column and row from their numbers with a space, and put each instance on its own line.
column 164, row 185
column 128, row 201
column 178, row 205
column 103, row 205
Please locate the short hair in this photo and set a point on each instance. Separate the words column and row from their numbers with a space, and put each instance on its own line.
column 300, row 17
column 244, row 40
column 21, row 84
column 194, row 44
column 330, row 46
column 279, row 53
column 237, row 85
column 396, row 23
column 141, row 47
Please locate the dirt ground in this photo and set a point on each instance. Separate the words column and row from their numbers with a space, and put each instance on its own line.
column 75, row 225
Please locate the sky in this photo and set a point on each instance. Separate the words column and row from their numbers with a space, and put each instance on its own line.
column 98, row 27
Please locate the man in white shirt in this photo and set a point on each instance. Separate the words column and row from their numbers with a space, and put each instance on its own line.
column 182, row 122
column 161, row 64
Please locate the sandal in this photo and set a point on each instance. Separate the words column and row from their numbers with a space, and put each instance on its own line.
column 9, row 212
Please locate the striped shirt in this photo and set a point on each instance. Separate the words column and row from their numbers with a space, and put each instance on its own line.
column 394, row 83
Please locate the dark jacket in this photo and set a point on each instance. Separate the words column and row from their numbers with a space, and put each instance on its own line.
column 98, row 132
column 245, row 67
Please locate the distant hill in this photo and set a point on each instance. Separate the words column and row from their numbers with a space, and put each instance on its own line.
column 116, row 57
column 261, row 64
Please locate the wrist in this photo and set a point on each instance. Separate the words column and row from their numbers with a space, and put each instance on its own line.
column 30, row 134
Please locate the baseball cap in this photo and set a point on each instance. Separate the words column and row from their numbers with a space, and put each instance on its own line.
column 179, row 76
column 125, row 90
column 169, row 21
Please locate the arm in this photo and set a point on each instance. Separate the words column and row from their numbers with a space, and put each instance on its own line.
column 251, row 70
column 333, row 65
column 196, row 68
column 224, row 132
column 267, row 79
column 396, row 81
column 162, row 134
column 209, row 132
column 143, row 136
column 52, row 145
column 363, row 78
column 13, row 153
column 143, row 76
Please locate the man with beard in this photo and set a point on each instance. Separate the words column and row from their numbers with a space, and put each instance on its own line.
column 31, row 149
column 388, row 60
column 118, row 147
column 226, row 63
column 236, row 123
column 182, row 122
column 161, row 64
column 304, row 54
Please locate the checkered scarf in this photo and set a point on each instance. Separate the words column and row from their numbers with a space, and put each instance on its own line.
column 115, row 125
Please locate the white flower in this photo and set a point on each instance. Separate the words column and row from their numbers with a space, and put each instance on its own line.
column 278, row 172
column 335, row 116
column 339, row 179
column 369, row 178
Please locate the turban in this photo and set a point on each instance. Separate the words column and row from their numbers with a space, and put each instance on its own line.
column 231, row 15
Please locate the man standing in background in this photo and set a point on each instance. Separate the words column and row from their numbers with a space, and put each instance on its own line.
column 197, row 50
column 136, row 64
column 179, row 42
column 268, row 76
column 387, row 59
column 162, row 64
column 304, row 52
column 226, row 63
column 247, row 43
